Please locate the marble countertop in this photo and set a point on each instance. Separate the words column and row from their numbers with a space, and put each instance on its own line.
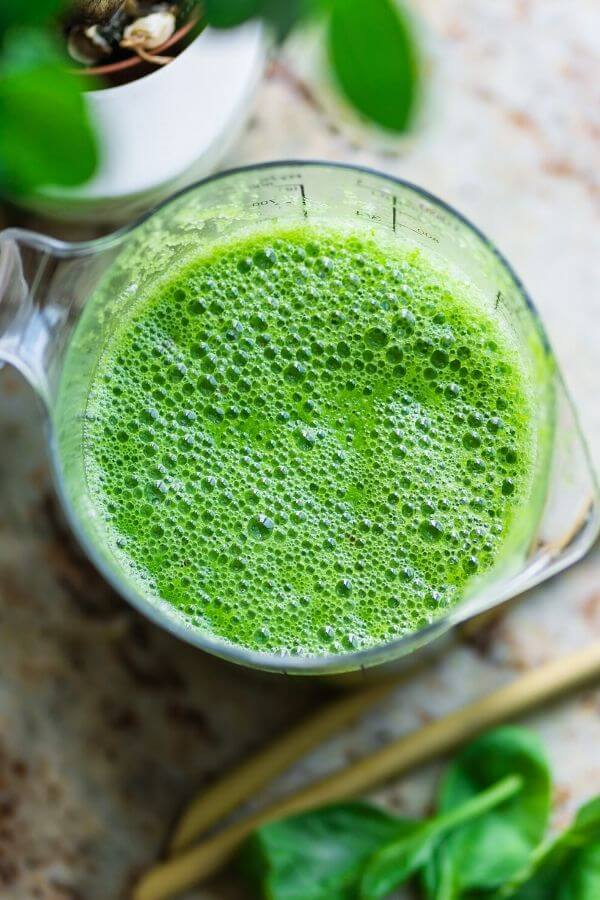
column 107, row 725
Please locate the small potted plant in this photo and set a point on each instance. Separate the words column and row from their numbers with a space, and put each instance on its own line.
column 107, row 106
column 165, row 94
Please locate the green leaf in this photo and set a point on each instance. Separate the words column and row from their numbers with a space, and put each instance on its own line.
column 229, row 13
column 45, row 134
column 318, row 855
column 28, row 12
column 568, row 868
column 374, row 58
column 397, row 862
column 586, row 825
column 403, row 857
column 491, row 851
column 581, row 880
column 282, row 15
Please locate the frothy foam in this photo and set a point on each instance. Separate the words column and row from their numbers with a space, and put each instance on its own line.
column 308, row 446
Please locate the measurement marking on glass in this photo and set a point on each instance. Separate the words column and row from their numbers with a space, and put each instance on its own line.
column 303, row 195
column 394, row 204
column 373, row 217
column 377, row 192
column 288, row 189
column 276, row 180
column 422, row 232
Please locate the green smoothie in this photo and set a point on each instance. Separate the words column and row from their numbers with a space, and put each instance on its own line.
column 306, row 444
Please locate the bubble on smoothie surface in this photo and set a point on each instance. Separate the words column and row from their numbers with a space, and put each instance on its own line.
column 307, row 446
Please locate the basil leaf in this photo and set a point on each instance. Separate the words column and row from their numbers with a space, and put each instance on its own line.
column 318, row 855
column 374, row 58
column 492, row 850
column 401, row 859
column 45, row 134
column 569, row 867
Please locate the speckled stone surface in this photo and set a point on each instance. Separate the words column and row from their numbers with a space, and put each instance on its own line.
column 106, row 724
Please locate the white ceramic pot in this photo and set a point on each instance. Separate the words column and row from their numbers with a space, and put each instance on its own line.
column 166, row 129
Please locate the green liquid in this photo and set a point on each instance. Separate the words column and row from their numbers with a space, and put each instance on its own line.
column 305, row 445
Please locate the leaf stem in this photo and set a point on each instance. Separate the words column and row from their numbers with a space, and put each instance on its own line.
column 485, row 801
column 445, row 889
column 535, row 860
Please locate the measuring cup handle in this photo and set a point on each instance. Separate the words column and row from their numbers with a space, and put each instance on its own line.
column 23, row 332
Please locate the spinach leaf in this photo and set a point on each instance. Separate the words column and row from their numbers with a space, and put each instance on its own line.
column 45, row 134
column 318, row 855
column 581, row 880
column 491, row 851
column 402, row 858
column 374, row 58
column 586, row 825
column 569, row 867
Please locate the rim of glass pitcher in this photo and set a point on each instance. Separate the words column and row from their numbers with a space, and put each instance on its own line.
column 75, row 248
column 473, row 603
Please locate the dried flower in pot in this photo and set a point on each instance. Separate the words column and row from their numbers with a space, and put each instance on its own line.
column 126, row 40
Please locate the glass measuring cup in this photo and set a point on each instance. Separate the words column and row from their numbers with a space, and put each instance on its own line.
column 59, row 303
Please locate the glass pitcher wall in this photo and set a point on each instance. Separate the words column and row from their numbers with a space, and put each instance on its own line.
column 61, row 303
